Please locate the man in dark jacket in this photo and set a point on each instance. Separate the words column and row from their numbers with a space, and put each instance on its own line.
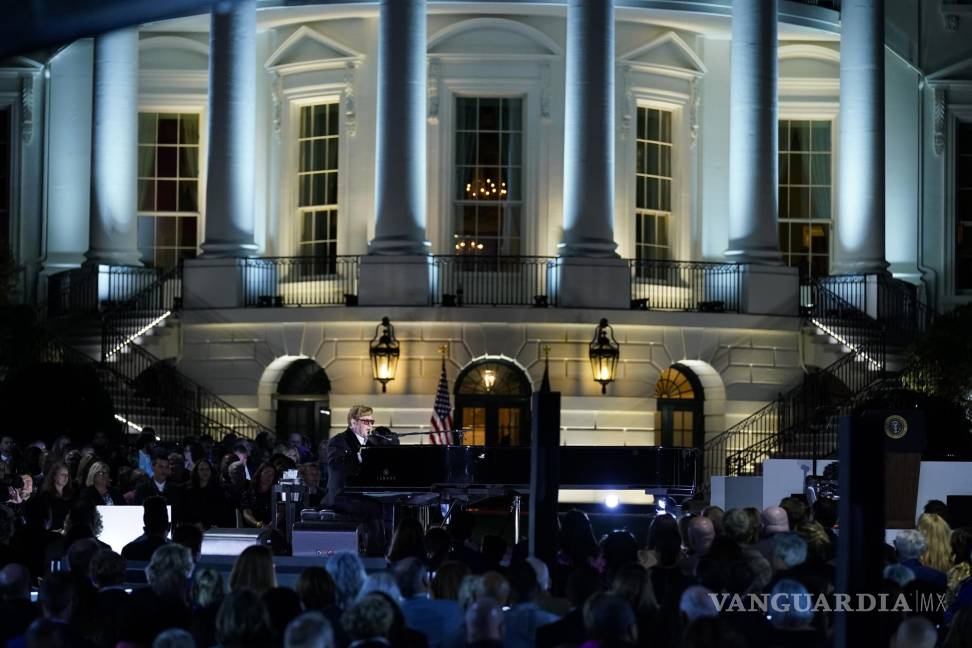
column 156, row 520
column 159, row 486
column 344, row 462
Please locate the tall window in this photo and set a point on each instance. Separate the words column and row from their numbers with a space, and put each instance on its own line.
column 168, row 187
column 963, row 206
column 4, row 179
column 805, row 195
column 317, row 179
column 653, row 185
column 489, row 169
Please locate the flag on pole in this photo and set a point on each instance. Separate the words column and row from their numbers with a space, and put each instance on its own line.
column 441, row 433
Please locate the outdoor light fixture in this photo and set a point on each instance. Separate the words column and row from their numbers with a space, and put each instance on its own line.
column 604, row 354
column 384, row 352
column 489, row 378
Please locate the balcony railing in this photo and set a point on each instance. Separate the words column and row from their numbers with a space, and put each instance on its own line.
column 300, row 281
column 685, row 286
column 90, row 288
column 494, row 281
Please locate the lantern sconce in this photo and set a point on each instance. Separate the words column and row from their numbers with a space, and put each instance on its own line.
column 384, row 351
column 489, row 379
column 604, row 353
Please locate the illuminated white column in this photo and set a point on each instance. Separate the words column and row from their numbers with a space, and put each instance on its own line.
column 231, row 160
column 860, row 132
column 753, row 137
column 589, row 131
column 400, row 176
column 112, row 233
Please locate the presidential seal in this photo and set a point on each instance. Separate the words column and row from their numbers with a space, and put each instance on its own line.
column 895, row 426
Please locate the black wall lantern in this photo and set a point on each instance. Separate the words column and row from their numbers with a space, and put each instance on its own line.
column 384, row 351
column 604, row 354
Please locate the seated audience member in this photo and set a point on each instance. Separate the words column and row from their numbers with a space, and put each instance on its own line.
column 257, row 499
column 915, row 632
column 59, row 491
column 609, row 620
column 555, row 605
column 349, row 575
column 97, row 489
column 910, row 545
column 30, row 541
column 792, row 617
column 437, row 545
column 700, row 532
column 83, row 521
column 790, row 562
column 253, row 570
column 408, row 541
column 618, row 548
column 667, row 580
column 159, row 486
column 716, row 515
column 435, row 618
column 310, row 475
column 899, row 575
column 318, row 592
column 938, row 545
column 938, row 507
column 796, row 511
column 174, row 638
column 772, row 522
column 206, row 502
column 178, row 473
column 384, row 582
column 191, row 537
column 283, row 606
column 961, row 568
column 53, row 628
column 309, row 630
column 448, row 580
column 484, row 624
column 16, row 610
column 400, row 635
column 243, row 621
column 369, row 621
column 525, row 616
column 107, row 571
column 696, row 603
column 493, row 585
column 582, row 583
column 155, row 518
column 79, row 558
column 825, row 513
column 165, row 602
column 633, row 584
column 206, row 594
column 493, row 550
column 461, row 546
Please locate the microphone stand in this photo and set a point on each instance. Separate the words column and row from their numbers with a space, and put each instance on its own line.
column 457, row 435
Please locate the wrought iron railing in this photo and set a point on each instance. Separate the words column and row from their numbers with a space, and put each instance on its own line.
column 144, row 310
column 494, row 281
column 685, row 285
column 87, row 290
column 300, row 281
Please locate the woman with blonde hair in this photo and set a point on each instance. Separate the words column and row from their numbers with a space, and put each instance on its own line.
column 938, row 537
column 97, row 489
column 253, row 570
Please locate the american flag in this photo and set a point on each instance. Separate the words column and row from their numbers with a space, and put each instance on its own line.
column 441, row 433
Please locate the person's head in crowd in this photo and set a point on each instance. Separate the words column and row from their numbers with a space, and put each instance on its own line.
column 145, row 442
column 716, row 515
column 37, row 513
column 700, row 534
column 107, row 569
column 310, row 474
column 696, row 603
column 32, row 460
column 264, row 478
column 242, row 451
column 290, row 453
column 84, row 468
column 282, row 463
column 295, row 440
column 177, row 465
column 738, row 526
column 14, row 583
column 99, row 476
column 349, row 575
column 938, row 507
column 316, row 588
column 960, row 629
column 961, row 542
column 633, row 583
column 8, row 448
column 484, row 621
column 194, row 452
column 169, row 571
column 236, row 474
column 582, row 583
column 264, row 442
column 82, row 521
column 819, row 546
column 825, row 512
column 938, row 549
column 461, row 524
column 468, row 589
column 408, row 541
column 448, row 579
column 789, row 550
column 493, row 548
column 8, row 524
column 384, row 582
column 371, row 617
column 659, row 523
column 791, row 610
column 618, row 548
column 916, row 632
column 44, row 633
column 493, row 585
column 542, row 572
column 796, row 511
column 191, row 537
column 711, row 632
column 253, row 570
column 79, row 557
column 609, row 619
column 437, row 545
column 203, row 475
column 774, row 520
column 27, row 487
column 309, row 630
column 161, row 468
column 412, row 578
column 898, row 574
column 523, row 582
column 668, row 546
column 174, row 638
column 56, row 595
column 155, row 516
column 910, row 544
column 57, row 481
column 207, row 588
column 576, row 537
column 243, row 621
column 283, row 606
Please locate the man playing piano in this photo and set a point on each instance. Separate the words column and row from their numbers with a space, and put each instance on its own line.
column 344, row 461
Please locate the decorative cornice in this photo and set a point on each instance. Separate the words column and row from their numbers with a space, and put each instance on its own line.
column 938, row 117
column 545, row 92
column 347, row 96
column 435, row 74
column 27, row 108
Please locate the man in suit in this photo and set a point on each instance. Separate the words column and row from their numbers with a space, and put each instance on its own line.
column 344, row 461
column 159, row 486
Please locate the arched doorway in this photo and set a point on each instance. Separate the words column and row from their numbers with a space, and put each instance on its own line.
column 493, row 402
column 679, row 416
column 303, row 402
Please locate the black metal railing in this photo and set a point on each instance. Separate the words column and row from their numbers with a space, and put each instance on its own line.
column 300, row 281
column 685, row 285
column 87, row 290
column 899, row 307
column 144, row 310
column 494, row 281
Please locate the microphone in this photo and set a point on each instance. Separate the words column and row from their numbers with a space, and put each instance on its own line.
column 385, row 434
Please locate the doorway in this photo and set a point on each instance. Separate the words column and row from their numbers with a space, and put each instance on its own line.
column 679, row 415
column 303, row 403
column 493, row 403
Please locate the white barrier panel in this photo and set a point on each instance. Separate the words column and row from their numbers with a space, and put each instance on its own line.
column 122, row 524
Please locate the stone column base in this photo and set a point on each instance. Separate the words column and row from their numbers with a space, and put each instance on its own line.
column 212, row 283
column 770, row 290
column 394, row 280
column 593, row 283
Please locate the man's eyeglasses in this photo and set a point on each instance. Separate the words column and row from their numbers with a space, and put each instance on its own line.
column 367, row 421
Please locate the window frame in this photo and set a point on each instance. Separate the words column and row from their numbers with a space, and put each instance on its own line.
column 640, row 212
column 299, row 211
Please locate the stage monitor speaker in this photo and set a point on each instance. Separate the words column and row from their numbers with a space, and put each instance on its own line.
column 325, row 538
column 232, row 542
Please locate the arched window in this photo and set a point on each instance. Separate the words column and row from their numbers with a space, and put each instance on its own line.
column 493, row 402
column 303, row 402
column 678, row 417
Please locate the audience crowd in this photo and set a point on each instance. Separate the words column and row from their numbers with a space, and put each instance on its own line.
column 454, row 586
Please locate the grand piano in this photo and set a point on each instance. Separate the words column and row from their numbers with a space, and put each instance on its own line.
column 470, row 471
